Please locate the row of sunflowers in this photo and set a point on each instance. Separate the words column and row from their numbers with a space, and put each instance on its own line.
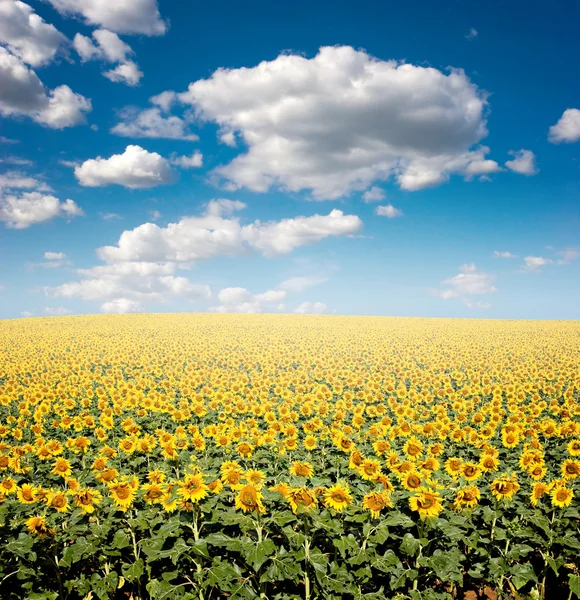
column 207, row 456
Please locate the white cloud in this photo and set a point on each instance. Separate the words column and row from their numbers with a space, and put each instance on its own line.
column 338, row 122
column 499, row 254
column 533, row 263
column 155, row 214
column 127, row 73
column 122, row 306
column 23, row 94
column 239, row 300
column 524, row 162
column 388, row 211
column 298, row 284
column 150, row 123
column 5, row 140
column 477, row 304
column 109, row 216
column 57, row 311
column 468, row 282
column 65, row 109
column 189, row 162
column 27, row 35
column 473, row 33
column 29, row 208
column 136, row 168
column 443, row 294
column 165, row 100
column 127, row 284
column 17, row 180
column 283, row 236
column 375, row 194
column 27, row 314
column 71, row 164
column 213, row 234
column 133, row 16
column 54, row 255
column 16, row 160
column 568, row 255
column 567, row 129
column 314, row 308
column 86, row 48
column 228, row 138
column 112, row 49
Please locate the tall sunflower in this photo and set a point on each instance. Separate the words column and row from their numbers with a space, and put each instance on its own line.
column 192, row 488
column 38, row 526
column 86, row 499
column 123, row 494
column 426, row 502
column 375, row 502
column 249, row 499
column 337, row 497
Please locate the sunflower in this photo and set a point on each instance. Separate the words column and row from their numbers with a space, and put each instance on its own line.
column 8, row 486
column 505, row 487
column 436, row 449
column 411, row 481
column 99, row 464
column 123, row 494
column 413, row 447
column 62, row 467
column 216, row 486
column 153, row 493
column 470, row 471
column 310, row 443
column 192, row 488
column 510, row 439
column 430, row 464
column 255, row 477
column 156, row 477
column 453, row 466
column 86, row 499
column 301, row 499
column 244, row 449
column 108, row 475
column 561, row 496
column 467, row 497
column 537, row 472
column 38, row 526
column 128, row 445
column 281, row 488
column 301, row 469
column 27, row 494
column 488, row 463
column 249, row 499
column 169, row 502
column 58, row 501
column 370, row 469
column 375, row 502
column 337, row 497
column 232, row 477
column 570, row 469
column 539, row 490
column 427, row 503
column 573, row 448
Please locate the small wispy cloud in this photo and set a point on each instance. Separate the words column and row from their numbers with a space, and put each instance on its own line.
column 473, row 33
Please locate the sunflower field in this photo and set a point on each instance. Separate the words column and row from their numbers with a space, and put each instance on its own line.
column 258, row 456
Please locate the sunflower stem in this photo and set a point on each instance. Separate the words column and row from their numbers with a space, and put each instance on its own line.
column 306, row 560
column 196, row 538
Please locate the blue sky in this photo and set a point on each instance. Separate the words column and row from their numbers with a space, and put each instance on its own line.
column 314, row 157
